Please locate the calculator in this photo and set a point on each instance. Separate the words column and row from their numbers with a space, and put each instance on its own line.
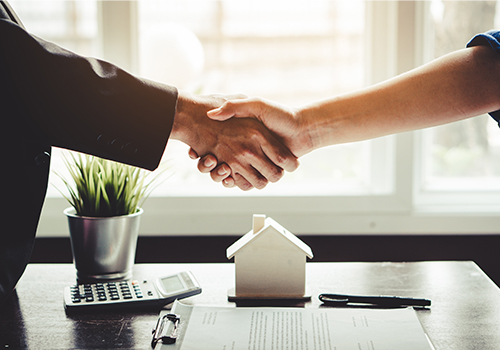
column 153, row 293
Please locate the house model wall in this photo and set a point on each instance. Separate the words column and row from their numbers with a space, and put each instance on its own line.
column 270, row 262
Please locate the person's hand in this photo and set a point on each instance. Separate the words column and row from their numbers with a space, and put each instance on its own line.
column 284, row 122
column 254, row 156
column 218, row 172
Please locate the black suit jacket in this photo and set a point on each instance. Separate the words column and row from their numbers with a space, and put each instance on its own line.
column 52, row 97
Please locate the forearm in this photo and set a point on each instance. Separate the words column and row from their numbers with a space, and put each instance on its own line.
column 460, row 85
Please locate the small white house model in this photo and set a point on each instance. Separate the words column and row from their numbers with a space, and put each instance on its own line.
column 270, row 262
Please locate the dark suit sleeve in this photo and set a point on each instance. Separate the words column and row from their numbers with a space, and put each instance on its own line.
column 53, row 97
column 85, row 104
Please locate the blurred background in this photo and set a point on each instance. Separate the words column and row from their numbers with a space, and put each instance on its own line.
column 437, row 189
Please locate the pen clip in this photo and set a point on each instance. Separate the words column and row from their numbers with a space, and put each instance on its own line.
column 333, row 299
column 166, row 329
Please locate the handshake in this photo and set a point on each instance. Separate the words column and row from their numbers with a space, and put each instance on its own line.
column 247, row 142
column 244, row 142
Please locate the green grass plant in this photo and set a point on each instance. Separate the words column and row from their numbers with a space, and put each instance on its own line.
column 103, row 188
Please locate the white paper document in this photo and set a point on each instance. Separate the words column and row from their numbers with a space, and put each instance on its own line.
column 223, row 328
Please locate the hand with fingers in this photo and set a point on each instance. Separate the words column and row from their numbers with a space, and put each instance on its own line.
column 243, row 147
column 218, row 172
column 283, row 122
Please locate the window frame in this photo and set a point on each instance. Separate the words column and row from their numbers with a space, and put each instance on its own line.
column 396, row 32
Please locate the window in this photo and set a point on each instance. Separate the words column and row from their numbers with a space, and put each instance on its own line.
column 296, row 52
column 462, row 158
column 71, row 24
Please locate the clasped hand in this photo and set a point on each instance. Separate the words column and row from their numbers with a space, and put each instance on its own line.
column 238, row 151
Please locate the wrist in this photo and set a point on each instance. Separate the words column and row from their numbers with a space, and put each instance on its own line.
column 310, row 133
column 326, row 123
column 191, row 124
column 183, row 119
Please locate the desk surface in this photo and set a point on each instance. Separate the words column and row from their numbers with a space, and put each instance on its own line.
column 464, row 314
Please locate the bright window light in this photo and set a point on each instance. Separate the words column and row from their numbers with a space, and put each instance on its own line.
column 463, row 156
column 293, row 52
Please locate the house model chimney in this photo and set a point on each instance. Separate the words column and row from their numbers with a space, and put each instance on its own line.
column 259, row 220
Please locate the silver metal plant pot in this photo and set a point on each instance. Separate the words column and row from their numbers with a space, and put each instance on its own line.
column 103, row 247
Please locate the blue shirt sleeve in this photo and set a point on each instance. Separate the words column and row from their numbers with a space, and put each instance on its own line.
column 491, row 39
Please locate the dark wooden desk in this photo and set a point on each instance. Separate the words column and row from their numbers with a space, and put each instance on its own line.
column 465, row 312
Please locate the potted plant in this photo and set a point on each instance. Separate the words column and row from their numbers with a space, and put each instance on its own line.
column 106, row 199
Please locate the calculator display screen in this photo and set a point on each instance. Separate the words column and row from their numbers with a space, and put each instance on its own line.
column 171, row 284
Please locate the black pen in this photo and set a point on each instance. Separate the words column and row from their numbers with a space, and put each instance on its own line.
column 381, row 300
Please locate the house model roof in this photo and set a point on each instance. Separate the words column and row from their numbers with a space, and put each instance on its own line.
column 261, row 225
